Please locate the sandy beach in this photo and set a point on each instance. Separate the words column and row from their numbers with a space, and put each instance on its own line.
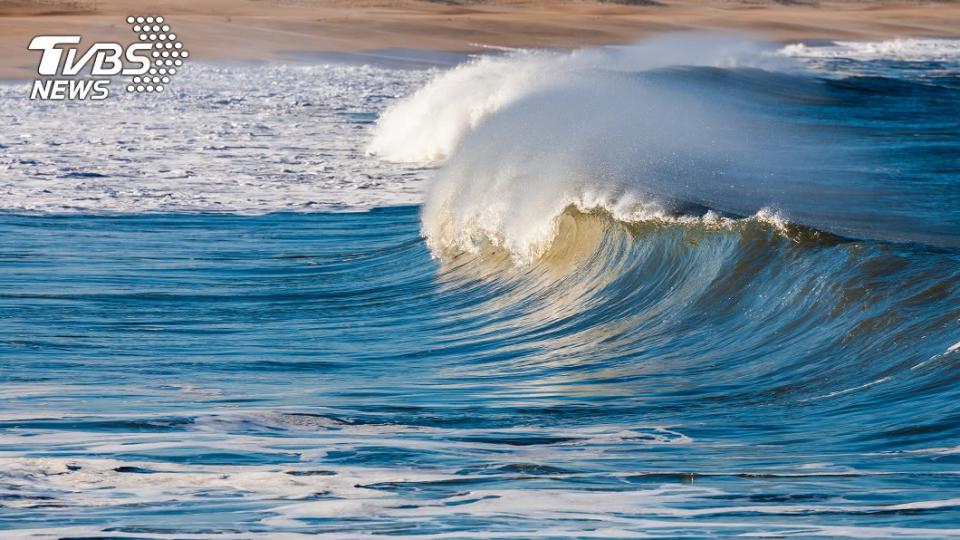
column 249, row 29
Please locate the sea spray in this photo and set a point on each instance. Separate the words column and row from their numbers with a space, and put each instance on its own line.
column 428, row 125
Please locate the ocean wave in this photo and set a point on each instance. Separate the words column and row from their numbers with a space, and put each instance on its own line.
column 428, row 125
column 647, row 132
column 900, row 49
column 675, row 372
column 642, row 146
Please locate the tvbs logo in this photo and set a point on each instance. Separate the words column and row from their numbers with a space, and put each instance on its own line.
column 148, row 64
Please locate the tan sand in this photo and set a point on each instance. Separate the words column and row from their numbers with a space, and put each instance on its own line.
column 270, row 29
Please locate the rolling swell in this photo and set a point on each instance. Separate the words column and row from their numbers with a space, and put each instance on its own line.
column 729, row 239
column 740, row 313
column 718, row 221
column 321, row 373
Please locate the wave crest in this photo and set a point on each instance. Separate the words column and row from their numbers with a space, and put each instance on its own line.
column 574, row 232
column 428, row 125
column 642, row 149
column 671, row 127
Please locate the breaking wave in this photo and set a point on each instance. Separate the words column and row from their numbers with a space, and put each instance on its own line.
column 687, row 128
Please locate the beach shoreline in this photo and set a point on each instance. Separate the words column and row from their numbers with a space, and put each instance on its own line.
column 248, row 30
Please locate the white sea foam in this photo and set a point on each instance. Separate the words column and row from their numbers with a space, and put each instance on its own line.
column 947, row 353
column 491, row 480
column 288, row 497
column 901, row 49
column 236, row 138
column 309, row 484
column 851, row 390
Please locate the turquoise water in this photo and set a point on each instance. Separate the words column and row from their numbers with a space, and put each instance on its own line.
column 775, row 361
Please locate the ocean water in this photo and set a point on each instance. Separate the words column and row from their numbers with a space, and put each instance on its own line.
column 697, row 286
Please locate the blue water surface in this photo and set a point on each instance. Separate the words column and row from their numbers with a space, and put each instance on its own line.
column 199, row 374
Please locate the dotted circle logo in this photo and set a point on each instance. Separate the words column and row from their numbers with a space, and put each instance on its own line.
column 167, row 55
